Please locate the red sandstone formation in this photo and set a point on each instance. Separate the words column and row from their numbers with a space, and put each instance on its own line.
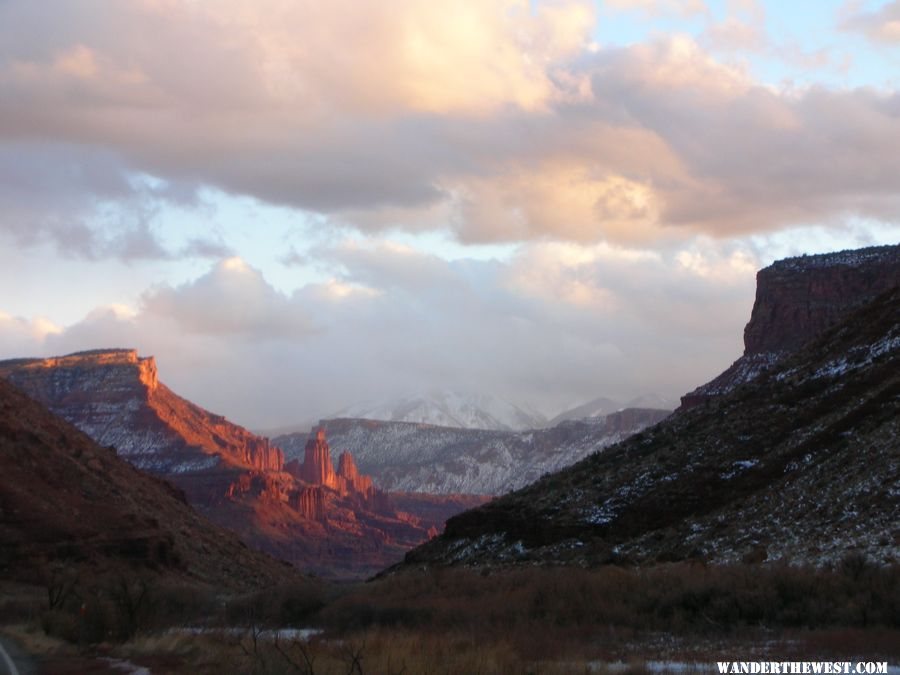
column 348, row 472
column 69, row 503
column 797, row 299
column 310, row 502
column 334, row 523
column 116, row 398
column 318, row 468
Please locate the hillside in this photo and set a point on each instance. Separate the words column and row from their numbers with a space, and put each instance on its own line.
column 65, row 500
column 802, row 463
column 402, row 456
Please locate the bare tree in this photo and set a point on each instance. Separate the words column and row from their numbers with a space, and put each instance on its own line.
column 307, row 659
column 131, row 598
column 353, row 654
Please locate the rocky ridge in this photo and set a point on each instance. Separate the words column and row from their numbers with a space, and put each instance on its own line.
column 801, row 463
column 798, row 298
column 407, row 457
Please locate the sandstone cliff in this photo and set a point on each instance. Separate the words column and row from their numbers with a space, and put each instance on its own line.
column 796, row 300
column 318, row 468
column 116, row 398
column 349, row 473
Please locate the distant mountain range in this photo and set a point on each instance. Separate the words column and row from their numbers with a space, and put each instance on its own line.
column 603, row 406
column 449, row 408
column 794, row 461
column 404, row 456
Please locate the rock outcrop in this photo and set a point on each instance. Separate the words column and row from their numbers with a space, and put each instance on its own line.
column 796, row 300
column 310, row 502
column 318, row 468
column 352, row 479
column 116, row 398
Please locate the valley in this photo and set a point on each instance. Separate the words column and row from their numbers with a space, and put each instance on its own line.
column 760, row 517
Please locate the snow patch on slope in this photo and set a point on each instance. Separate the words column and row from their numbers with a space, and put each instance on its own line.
column 450, row 409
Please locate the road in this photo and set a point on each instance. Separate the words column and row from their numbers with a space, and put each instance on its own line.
column 11, row 658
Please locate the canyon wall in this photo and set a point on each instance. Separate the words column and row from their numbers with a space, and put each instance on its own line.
column 796, row 300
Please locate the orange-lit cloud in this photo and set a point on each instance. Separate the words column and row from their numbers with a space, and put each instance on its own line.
column 493, row 121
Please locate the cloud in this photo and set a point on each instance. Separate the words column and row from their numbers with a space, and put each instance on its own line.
column 19, row 336
column 733, row 34
column 881, row 25
column 231, row 299
column 655, row 8
column 494, row 122
column 553, row 325
column 89, row 204
column 753, row 158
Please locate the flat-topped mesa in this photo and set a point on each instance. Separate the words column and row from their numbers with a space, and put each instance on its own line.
column 113, row 370
column 796, row 300
column 115, row 396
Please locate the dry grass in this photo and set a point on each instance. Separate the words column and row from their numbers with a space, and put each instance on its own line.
column 520, row 620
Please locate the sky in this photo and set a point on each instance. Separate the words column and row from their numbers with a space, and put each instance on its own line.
column 298, row 206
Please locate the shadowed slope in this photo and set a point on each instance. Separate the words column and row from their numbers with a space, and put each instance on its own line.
column 66, row 500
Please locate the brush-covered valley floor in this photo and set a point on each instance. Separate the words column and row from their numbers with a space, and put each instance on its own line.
column 465, row 620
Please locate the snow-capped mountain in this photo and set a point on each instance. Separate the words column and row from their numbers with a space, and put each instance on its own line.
column 653, row 400
column 449, row 408
column 603, row 406
column 598, row 407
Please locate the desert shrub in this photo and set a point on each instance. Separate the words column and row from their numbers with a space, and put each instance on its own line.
column 171, row 605
column 89, row 618
column 60, row 624
column 678, row 598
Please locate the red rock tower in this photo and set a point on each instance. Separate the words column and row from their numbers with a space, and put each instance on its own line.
column 350, row 474
column 318, row 468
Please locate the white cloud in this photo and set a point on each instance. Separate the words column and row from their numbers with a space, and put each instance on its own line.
column 881, row 25
column 554, row 324
column 231, row 299
column 657, row 8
